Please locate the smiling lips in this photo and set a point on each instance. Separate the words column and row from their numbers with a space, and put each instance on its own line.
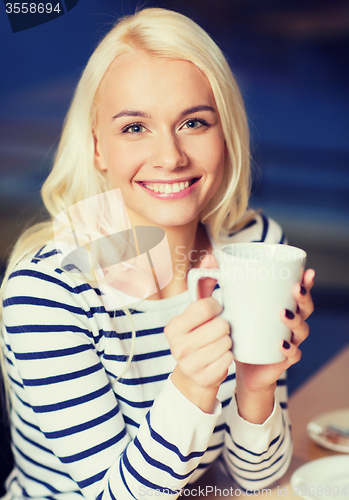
column 168, row 187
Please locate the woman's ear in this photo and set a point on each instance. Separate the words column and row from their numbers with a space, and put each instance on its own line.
column 98, row 159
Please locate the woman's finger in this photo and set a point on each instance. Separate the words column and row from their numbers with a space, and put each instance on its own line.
column 207, row 285
column 299, row 328
column 291, row 352
column 308, row 279
column 305, row 305
column 196, row 314
column 208, row 334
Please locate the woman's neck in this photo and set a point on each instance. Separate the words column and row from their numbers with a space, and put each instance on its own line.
column 187, row 246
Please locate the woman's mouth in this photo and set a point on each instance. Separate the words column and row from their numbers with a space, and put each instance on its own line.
column 170, row 190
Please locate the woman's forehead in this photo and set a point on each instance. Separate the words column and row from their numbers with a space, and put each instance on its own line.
column 142, row 78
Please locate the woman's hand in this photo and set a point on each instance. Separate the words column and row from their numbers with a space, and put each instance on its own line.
column 255, row 384
column 201, row 343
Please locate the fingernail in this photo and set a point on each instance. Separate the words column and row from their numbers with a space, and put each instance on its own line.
column 303, row 290
column 286, row 345
column 289, row 314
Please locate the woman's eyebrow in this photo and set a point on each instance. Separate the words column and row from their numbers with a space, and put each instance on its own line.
column 131, row 112
column 195, row 109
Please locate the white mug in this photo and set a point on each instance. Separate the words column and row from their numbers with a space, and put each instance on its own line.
column 256, row 281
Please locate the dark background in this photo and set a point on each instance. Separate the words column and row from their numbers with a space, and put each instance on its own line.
column 290, row 58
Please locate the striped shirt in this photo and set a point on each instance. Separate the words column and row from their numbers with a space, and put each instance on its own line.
column 76, row 430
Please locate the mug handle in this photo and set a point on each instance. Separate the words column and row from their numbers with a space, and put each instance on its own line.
column 195, row 275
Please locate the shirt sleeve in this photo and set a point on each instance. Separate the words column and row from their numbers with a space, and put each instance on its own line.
column 255, row 456
column 260, row 229
column 69, row 433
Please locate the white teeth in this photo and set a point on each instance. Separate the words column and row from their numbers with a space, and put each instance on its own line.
column 168, row 188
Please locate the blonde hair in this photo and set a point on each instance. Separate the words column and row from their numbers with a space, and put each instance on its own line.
column 165, row 34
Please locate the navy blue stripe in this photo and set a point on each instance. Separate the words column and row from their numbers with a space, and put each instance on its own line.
column 56, row 379
column 39, row 301
column 136, row 404
column 144, row 380
column 151, row 355
column 36, row 480
column 34, row 443
column 204, row 466
column 82, row 427
column 257, row 454
column 92, row 479
column 144, row 481
column 230, row 377
column 137, row 357
column 8, row 347
column 95, row 449
column 157, row 464
column 123, row 480
column 51, row 279
column 22, row 400
column 72, row 402
column 225, row 402
column 40, row 255
column 265, row 477
column 283, row 237
column 14, row 381
column 139, row 333
column 219, row 428
column 266, row 459
column 264, row 230
column 41, row 465
column 120, row 312
column 46, row 329
column 170, row 446
column 9, row 361
column 55, row 354
column 265, row 227
column 99, row 497
column 24, row 491
column 29, row 424
column 259, row 470
column 249, row 224
column 215, row 447
column 129, row 421
column 275, row 440
column 281, row 382
column 284, row 405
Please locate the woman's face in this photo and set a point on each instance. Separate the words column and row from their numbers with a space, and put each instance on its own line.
column 159, row 138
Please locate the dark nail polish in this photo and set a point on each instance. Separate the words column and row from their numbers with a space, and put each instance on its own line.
column 289, row 314
column 286, row 345
column 303, row 290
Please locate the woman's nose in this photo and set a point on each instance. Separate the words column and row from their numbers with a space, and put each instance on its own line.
column 167, row 152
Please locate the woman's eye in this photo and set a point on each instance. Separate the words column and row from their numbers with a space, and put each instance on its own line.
column 135, row 128
column 195, row 124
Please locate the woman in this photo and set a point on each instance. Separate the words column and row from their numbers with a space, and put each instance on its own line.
column 158, row 116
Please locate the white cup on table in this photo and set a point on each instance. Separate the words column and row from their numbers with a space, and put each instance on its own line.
column 256, row 281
